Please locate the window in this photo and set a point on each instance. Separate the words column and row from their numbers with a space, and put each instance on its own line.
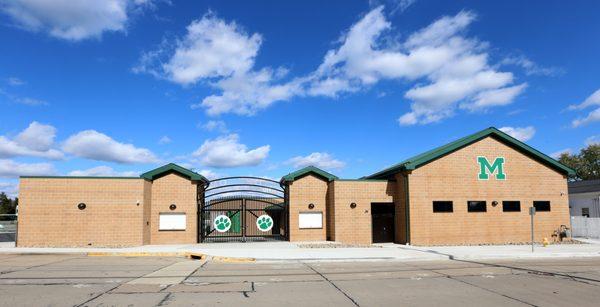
column 442, row 206
column 476, row 206
column 541, row 205
column 585, row 212
column 307, row 220
column 511, row 206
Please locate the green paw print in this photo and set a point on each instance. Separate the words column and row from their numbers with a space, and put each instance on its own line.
column 222, row 223
column 265, row 222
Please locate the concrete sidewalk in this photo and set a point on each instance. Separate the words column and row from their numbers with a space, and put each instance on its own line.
column 293, row 251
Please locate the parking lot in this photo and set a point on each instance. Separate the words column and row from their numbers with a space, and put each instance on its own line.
column 70, row 280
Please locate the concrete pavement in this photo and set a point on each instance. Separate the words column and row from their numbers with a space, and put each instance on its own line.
column 59, row 280
column 298, row 251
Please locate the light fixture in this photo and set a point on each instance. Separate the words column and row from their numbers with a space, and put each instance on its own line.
column 81, row 206
column 311, row 206
column 172, row 207
column 353, row 205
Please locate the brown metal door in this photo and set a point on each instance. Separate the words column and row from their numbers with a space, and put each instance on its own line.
column 382, row 217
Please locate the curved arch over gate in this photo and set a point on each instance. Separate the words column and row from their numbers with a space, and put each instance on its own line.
column 243, row 209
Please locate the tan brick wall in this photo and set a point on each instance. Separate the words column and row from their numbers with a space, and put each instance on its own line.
column 302, row 192
column 454, row 177
column 48, row 213
column 353, row 226
column 178, row 190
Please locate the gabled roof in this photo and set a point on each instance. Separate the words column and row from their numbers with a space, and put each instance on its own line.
column 426, row 157
column 308, row 170
column 173, row 168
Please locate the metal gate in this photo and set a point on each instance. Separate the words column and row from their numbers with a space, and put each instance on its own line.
column 243, row 209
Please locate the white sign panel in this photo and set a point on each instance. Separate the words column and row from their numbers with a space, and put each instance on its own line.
column 171, row 221
column 310, row 220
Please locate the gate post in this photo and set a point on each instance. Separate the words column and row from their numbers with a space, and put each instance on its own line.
column 244, row 220
column 199, row 211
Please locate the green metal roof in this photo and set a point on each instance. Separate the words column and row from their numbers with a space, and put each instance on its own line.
column 426, row 157
column 172, row 167
column 307, row 170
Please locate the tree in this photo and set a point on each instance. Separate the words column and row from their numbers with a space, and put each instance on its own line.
column 7, row 205
column 586, row 163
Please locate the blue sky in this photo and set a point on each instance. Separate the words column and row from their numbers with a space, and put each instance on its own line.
column 262, row 88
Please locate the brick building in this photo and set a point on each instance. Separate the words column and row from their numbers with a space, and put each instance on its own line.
column 475, row 190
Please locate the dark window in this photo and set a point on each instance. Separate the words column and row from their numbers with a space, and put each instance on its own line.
column 541, row 205
column 585, row 212
column 442, row 206
column 476, row 206
column 511, row 206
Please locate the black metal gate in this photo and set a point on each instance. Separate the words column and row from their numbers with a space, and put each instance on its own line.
column 243, row 209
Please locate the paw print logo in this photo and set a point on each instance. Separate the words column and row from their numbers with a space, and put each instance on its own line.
column 264, row 222
column 222, row 223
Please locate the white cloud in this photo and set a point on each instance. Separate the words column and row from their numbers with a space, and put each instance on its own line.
column 31, row 101
column 593, row 140
column 250, row 92
column 35, row 141
column 12, row 169
column 94, row 145
column 103, row 170
column 164, row 140
column 495, row 97
column 14, row 81
column 318, row 159
column 226, row 151
column 396, row 5
column 447, row 70
column 215, row 125
column 331, row 87
column 445, row 67
column 37, row 136
column 522, row 134
column 211, row 48
column 594, row 116
column 222, row 54
column 210, row 175
column 531, row 68
column 71, row 19
column 402, row 5
column 23, row 100
column 557, row 154
column 592, row 100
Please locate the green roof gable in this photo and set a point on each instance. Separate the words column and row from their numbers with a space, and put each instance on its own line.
column 426, row 157
column 308, row 170
column 173, row 168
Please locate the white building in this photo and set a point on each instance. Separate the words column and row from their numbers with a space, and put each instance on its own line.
column 584, row 198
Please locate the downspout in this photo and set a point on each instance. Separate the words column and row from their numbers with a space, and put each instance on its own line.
column 407, row 208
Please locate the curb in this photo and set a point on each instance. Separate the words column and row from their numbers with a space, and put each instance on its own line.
column 136, row 254
column 44, row 253
column 232, row 259
column 190, row 255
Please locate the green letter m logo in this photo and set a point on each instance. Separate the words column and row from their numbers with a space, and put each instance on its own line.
column 486, row 169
